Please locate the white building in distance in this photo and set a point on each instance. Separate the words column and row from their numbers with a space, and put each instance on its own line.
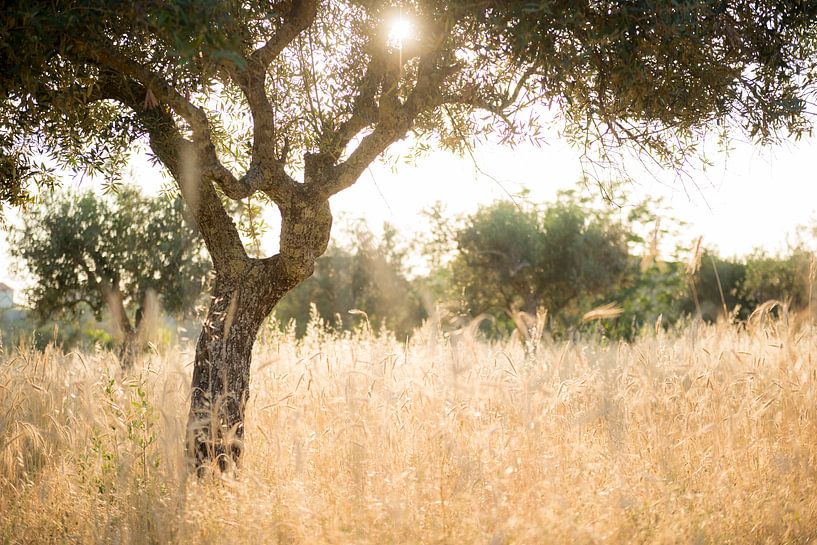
column 6, row 296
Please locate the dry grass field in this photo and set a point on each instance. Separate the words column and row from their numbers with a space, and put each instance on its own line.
column 706, row 435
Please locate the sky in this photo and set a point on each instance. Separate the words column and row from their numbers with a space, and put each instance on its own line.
column 753, row 198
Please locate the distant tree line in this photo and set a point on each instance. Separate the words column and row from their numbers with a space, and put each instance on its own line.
column 566, row 257
column 94, row 257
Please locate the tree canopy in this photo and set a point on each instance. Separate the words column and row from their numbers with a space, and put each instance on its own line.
column 88, row 253
column 511, row 258
column 295, row 83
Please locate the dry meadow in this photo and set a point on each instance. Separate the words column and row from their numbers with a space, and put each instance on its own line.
column 703, row 435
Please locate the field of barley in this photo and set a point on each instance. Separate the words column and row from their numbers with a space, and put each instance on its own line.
column 703, row 435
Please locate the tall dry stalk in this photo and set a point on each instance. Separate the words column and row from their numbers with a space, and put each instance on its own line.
column 693, row 266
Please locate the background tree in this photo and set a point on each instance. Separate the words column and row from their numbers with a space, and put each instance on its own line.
column 658, row 290
column 237, row 99
column 784, row 278
column 719, row 287
column 367, row 275
column 97, row 254
column 653, row 288
column 511, row 258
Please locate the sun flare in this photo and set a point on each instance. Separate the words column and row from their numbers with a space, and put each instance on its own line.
column 400, row 30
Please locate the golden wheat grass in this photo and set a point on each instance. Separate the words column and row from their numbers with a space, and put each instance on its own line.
column 707, row 435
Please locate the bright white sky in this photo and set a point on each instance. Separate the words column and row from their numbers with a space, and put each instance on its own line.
column 755, row 198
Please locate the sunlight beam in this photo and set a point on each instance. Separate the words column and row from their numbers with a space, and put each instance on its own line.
column 400, row 30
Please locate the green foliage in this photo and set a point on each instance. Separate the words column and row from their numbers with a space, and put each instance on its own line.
column 84, row 251
column 658, row 291
column 715, row 277
column 654, row 74
column 369, row 276
column 512, row 258
column 742, row 284
column 127, row 436
column 787, row 279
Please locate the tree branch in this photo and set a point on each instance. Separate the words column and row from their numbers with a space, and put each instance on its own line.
column 394, row 118
column 266, row 172
column 188, row 167
column 107, row 56
column 267, row 176
column 301, row 15
column 365, row 109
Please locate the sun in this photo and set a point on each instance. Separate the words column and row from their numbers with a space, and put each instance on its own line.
column 400, row 30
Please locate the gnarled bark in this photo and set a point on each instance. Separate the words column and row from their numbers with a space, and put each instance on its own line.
column 240, row 303
column 221, row 372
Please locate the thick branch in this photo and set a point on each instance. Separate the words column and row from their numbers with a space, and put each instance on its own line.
column 364, row 112
column 395, row 118
column 219, row 232
column 107, row 56
column 251, row 79
column 266, row 172
column 426, row 94
column 301, row 15
column 367, row 151
column 267, row 176
column 188, row 167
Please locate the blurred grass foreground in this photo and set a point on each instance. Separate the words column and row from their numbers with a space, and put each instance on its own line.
column 703, row 435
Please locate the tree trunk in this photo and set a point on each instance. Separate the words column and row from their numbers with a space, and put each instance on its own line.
column 131, row 337
column 128, row 349
column 116, row 305
column 246, row 290
column 221, row 372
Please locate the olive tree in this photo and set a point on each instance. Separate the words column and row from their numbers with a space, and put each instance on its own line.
column 93, row 253
column 511, row 258
column 289, row 101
